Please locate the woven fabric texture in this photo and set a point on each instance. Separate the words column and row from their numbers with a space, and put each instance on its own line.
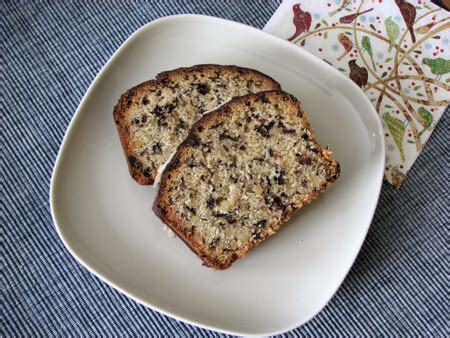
column 51, row 51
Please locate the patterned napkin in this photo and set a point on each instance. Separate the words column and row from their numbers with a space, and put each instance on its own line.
column 397, row 51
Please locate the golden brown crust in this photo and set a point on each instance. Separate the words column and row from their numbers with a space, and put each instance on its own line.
column 119, row 111
column 162, row 207
column 137, row 171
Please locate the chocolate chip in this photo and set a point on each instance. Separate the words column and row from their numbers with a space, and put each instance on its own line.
column 278, row 202
column 144, row 118
column 337, row 173
column 147, row 172
column 312, row 148
column 285, row 129
column 256, row 235
column 162, row 122
column 210, row 202
column 169, row 107
column 279, row 178
column 266, row 180
column 181, row 125
column 157, row 149
column 132, row 159
column 191, row 209
column 212, row 245
column 230, row 219
column 304, row 183
column 134, row 162
column 191, row 163
column 275, row 202
column 264, row 129
column 157, row 111
column 144, row 100
column 203, row 88
column 261, row 223
column 220, row 214
column 304, row 160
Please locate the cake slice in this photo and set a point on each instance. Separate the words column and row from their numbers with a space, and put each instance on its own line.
column 155, row 116
column 242, row 171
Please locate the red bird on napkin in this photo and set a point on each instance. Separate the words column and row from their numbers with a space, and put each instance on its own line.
column 408, row 12
column 302, row 21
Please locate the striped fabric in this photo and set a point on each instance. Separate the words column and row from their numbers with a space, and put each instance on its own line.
column 51, row 52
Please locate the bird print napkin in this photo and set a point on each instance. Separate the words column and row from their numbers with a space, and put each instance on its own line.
column 396, row 51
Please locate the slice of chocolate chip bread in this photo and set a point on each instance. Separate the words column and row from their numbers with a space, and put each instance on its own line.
column 242, row 171
column 155, row 116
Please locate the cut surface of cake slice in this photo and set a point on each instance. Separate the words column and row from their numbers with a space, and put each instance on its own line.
column 155, row 116
column 242, row 171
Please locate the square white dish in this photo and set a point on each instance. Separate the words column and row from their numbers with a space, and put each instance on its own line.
column 105, row 219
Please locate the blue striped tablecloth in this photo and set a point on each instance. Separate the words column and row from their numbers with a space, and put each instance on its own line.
column 51, row 51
